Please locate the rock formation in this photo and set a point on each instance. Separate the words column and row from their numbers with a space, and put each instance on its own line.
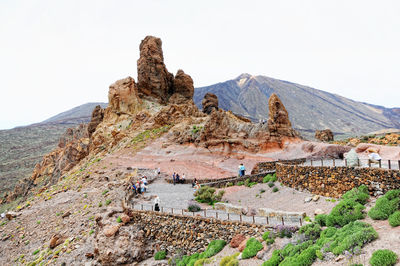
column 155, row 81
column 325, row 135
column 153, row 77
column 97, row 117
column 123, row 97
column 278, row 118
column 210, row 102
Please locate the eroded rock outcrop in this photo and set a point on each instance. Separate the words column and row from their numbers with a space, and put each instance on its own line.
column 209, row 103
column 97, row 118
column 153, row 77
column 278, row 118
column 325, row 135
column 183, row 89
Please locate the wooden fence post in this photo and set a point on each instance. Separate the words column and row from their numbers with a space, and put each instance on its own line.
column 369, row 163
column 358, row 162
column 240, row 217
column 389, row 164
column 345, row 162
column 228, row 216
column 142, row 206
column 380, row 163
column 334, row 164
column 322, row 162
column 205, row 213
column 311, row 162
column 254, row 220
column 283, row 222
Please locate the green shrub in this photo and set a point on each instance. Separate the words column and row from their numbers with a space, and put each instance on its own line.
column 119, row 220
column 247, row 182
column 266, row 235
column 321, row 219
column 311, row 231
column 274, row 260
column 394, row 219
column 252, row 247
column 230, row 260
column 271, row 184
column 267, row 178
column 359, row 194
column 36, row 252
column 274, row 178
column 194, row 207
column 108, row 202
column 229, row 184
column 353, row 235
column 275, row 189
column 213, row 248
column 160, row 255
column 251, row 184
column 383, row 257
column 385, row 205
column 240, row 183
column 345, row 211
column 207, row 194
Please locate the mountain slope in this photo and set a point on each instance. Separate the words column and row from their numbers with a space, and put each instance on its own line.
column 309, row 109
column 22, row 147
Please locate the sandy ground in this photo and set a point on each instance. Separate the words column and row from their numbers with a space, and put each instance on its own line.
column 286, row 199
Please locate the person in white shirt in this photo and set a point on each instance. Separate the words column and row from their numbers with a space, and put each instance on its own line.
column 157, row 204
column 374, row 156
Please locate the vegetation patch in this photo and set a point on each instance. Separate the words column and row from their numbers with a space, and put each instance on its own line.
column 383, row 257
column 160, row 255
column 230, row 260
column 394, row 219
column 207, row 195
column 385, row 205
column 194, row 207
column 251, row 249
column 213, row 248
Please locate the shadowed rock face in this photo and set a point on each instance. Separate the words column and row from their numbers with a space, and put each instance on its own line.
column 123, row 96
column 155, row 81
column 97, row 117
column 324, row 135
column 210, row 102
column 153, row 77
column 278, row 118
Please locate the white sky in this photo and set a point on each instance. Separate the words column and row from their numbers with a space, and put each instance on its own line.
column 55, row 55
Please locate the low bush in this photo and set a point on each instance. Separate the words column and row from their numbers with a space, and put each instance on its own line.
column 271, row 184
column 383, row 257
column 344, row 212
column 193, row 207
column 274, row 178
column 160, row 255
column 213, row 248
column 240, row 183
column 275, row 189
column 311, row 231
column 284, row 230
column 353, row 235
column 394, row 219
column 267, row 178
column 229, row 184
column 251, row 249
column 321, row 219
column 385, row 205
column 359, row 194
column 230, row 260
column 207, row 194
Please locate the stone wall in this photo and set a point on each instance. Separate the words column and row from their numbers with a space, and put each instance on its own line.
column 335, row 181
column 191, row 234
column 263, row 167
column 220, row 183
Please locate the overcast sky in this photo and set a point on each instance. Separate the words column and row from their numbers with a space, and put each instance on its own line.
column 55, row 55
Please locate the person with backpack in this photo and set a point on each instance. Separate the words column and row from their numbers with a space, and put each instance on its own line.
column 157, row 204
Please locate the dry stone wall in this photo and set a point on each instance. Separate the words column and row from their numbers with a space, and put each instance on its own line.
column 191, row 234
column 335, row 181
column 263, row 167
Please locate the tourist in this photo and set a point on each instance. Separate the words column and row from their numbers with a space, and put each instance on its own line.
column 373, row 156
column 242, row 170
column 138, row 187
column 157, row 204
column 196, row 186
column 158, row 171
column 173, row 178
column 134, row 188
column 142, row 187
column 194, row 182
column 183, row 178
column 177, row 178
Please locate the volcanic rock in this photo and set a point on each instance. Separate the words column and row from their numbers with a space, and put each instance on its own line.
column 183, row 89
column 97, row 117
column 278, row 118
column 56, row 240
column 237, row 240
column 153, row 77
column 210, row 102
column 123, row 97
column 325, row 135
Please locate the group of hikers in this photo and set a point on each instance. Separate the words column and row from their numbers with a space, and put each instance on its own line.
column 140, row 186
column 177, row 179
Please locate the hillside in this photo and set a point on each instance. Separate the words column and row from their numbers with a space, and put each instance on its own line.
column 309, row 108
column 22, row 147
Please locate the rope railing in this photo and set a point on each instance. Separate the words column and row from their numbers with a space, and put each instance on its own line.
column 385, row 164
column 225, row 216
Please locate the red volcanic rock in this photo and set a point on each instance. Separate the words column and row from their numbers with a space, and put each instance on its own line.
column 237, row 240
column 153, row 77
column 278, row 119
column 209, row 102
column 324, row 135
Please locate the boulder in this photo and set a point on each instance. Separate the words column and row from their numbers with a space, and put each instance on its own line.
column 325, row 135
column 56, row 240
column 209, row 103
column 111, row 230
column 237, row 240
column 242, row 245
